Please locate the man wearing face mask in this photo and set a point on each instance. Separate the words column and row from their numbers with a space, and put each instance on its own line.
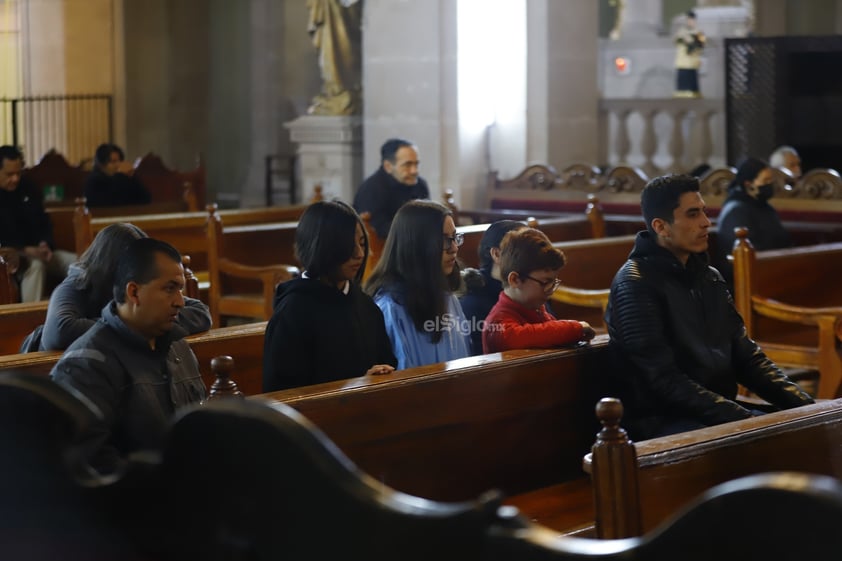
column 747, row 206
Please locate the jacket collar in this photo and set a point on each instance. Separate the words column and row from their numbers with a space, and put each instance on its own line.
column 647, row 249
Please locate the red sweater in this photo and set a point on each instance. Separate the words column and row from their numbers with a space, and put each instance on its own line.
column 511, row 325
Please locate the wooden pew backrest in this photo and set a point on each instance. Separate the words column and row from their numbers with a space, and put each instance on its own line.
column 516, row 421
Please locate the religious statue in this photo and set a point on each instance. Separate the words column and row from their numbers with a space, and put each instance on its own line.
column 689, row 44
column 335, row 27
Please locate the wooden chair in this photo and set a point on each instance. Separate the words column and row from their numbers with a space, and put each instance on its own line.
column 243, row 274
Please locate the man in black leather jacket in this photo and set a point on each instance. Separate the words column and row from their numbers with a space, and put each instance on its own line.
column 681, row 347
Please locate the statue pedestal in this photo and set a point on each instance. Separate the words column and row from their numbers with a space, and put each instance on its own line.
column 329, row 154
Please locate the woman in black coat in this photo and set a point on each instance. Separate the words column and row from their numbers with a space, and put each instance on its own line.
column 324, row 327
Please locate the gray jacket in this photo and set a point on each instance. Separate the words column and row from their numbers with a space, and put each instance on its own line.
column 137, row 388
column 73, row 311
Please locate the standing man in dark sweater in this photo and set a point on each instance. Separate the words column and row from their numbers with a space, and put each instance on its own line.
column 394, row 183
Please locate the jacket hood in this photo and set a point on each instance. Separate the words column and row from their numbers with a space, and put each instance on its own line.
column 305, row 285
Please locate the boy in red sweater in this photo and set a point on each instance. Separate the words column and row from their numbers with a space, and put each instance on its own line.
column 529, row 267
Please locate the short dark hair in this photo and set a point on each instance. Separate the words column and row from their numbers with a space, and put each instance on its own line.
column 662, row 196
column 325, row 238
column 492, row 237
column 103, row 153
column 8, row 152
column 527, row 250
column 137, row 264
column 390, row 148
column 690, row 14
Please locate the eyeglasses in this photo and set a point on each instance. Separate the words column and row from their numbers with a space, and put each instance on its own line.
column 457, row 239
column 551, row 284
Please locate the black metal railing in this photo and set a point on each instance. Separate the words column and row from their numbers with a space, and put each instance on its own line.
column 74, row 125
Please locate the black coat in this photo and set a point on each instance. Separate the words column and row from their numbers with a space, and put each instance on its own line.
column 680, row 345
column 382, row 195
column 765, row 229
column 23, row 221
column 318, row 334
column 482, row 294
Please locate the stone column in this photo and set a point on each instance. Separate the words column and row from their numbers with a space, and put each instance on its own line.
column 641, row 18
column 572, row 110
column 329, row 154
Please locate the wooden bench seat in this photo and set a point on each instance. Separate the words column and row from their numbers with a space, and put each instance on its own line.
column 565, row 507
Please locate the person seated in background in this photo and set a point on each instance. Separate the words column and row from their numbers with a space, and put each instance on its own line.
column 414, row 284
column 679, row 345
column 747, row 206
column 112, row 182
column 77, row 303
column 483, row 285
column 26, row 227
column 394, row 183
column 324, row 327
column 133, row 365
column 529, row 267
column 787, row 157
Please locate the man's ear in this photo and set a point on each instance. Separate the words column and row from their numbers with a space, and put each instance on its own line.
column 132, row 289
column 751, row 189
column 388, row 166
column 495, row 254
column 512, row 279
column 661, row 227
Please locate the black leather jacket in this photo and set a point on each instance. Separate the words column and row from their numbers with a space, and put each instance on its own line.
column 681, row 347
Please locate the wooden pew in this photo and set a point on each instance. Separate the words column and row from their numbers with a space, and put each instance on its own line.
column 17, row 321
column 781, row 515
column 170, row 190
column 516, row 421
column 245, row 264
column 186, row 231
column 542, row 188
column 9, row 263
column 279, row 473
column 243, row 342
column 638, row 486
column 792, row 305
column 587, row 275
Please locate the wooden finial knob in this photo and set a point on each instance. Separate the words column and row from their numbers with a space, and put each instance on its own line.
column 609, row 411
column 317, row 195
column 211, row 208
column 223, row 386
column 741, row 232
